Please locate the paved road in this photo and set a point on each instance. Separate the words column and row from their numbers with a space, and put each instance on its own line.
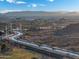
column 53, row 52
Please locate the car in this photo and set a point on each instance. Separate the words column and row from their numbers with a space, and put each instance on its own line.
column 34, row 45
column 45, row 47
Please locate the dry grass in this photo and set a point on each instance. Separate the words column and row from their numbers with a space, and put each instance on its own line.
column 18, row 53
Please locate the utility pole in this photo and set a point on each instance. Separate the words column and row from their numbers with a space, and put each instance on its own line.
column 21, row 27
column 11, row 27
column 6, row 30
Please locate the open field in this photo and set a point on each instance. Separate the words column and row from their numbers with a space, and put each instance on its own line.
column 18, row 53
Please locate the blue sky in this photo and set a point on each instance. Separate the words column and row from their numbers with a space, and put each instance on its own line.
column 39, row 5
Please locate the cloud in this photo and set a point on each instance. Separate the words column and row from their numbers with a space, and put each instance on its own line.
column 51, row 0
column 14, row 1
column 11, row 1
column 20, row 2
column 6, row 11
column 23, row 2
column 2, row 0
column 34, row 5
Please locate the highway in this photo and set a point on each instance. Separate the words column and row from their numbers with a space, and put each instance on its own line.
column 46, row 50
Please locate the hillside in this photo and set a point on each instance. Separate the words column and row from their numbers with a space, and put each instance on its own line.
column 68, row 30
column 32, row 15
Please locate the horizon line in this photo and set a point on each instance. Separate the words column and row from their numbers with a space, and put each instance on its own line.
column 63, row 11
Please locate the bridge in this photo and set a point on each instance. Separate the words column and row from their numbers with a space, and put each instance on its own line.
column 56, row 52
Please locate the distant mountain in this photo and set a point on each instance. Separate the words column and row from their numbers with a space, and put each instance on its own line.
column 4, row 18
column 31, row 15
column 41, row 13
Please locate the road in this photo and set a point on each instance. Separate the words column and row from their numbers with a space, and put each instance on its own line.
column 53, row 52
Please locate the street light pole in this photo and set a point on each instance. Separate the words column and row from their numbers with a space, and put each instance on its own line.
column 6, row 30
column 11, row 27
column 21, row 27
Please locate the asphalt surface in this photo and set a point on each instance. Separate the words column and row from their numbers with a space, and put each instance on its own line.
column 53, row 52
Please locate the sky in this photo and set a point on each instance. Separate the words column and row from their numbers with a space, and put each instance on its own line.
column 38, row 5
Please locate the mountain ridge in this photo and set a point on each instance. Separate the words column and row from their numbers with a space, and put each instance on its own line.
column 30, row 15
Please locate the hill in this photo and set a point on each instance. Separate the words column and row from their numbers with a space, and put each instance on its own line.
column 68, row 30
column 32, row 15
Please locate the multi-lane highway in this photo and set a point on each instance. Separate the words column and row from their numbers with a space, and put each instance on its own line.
column 53, row 52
